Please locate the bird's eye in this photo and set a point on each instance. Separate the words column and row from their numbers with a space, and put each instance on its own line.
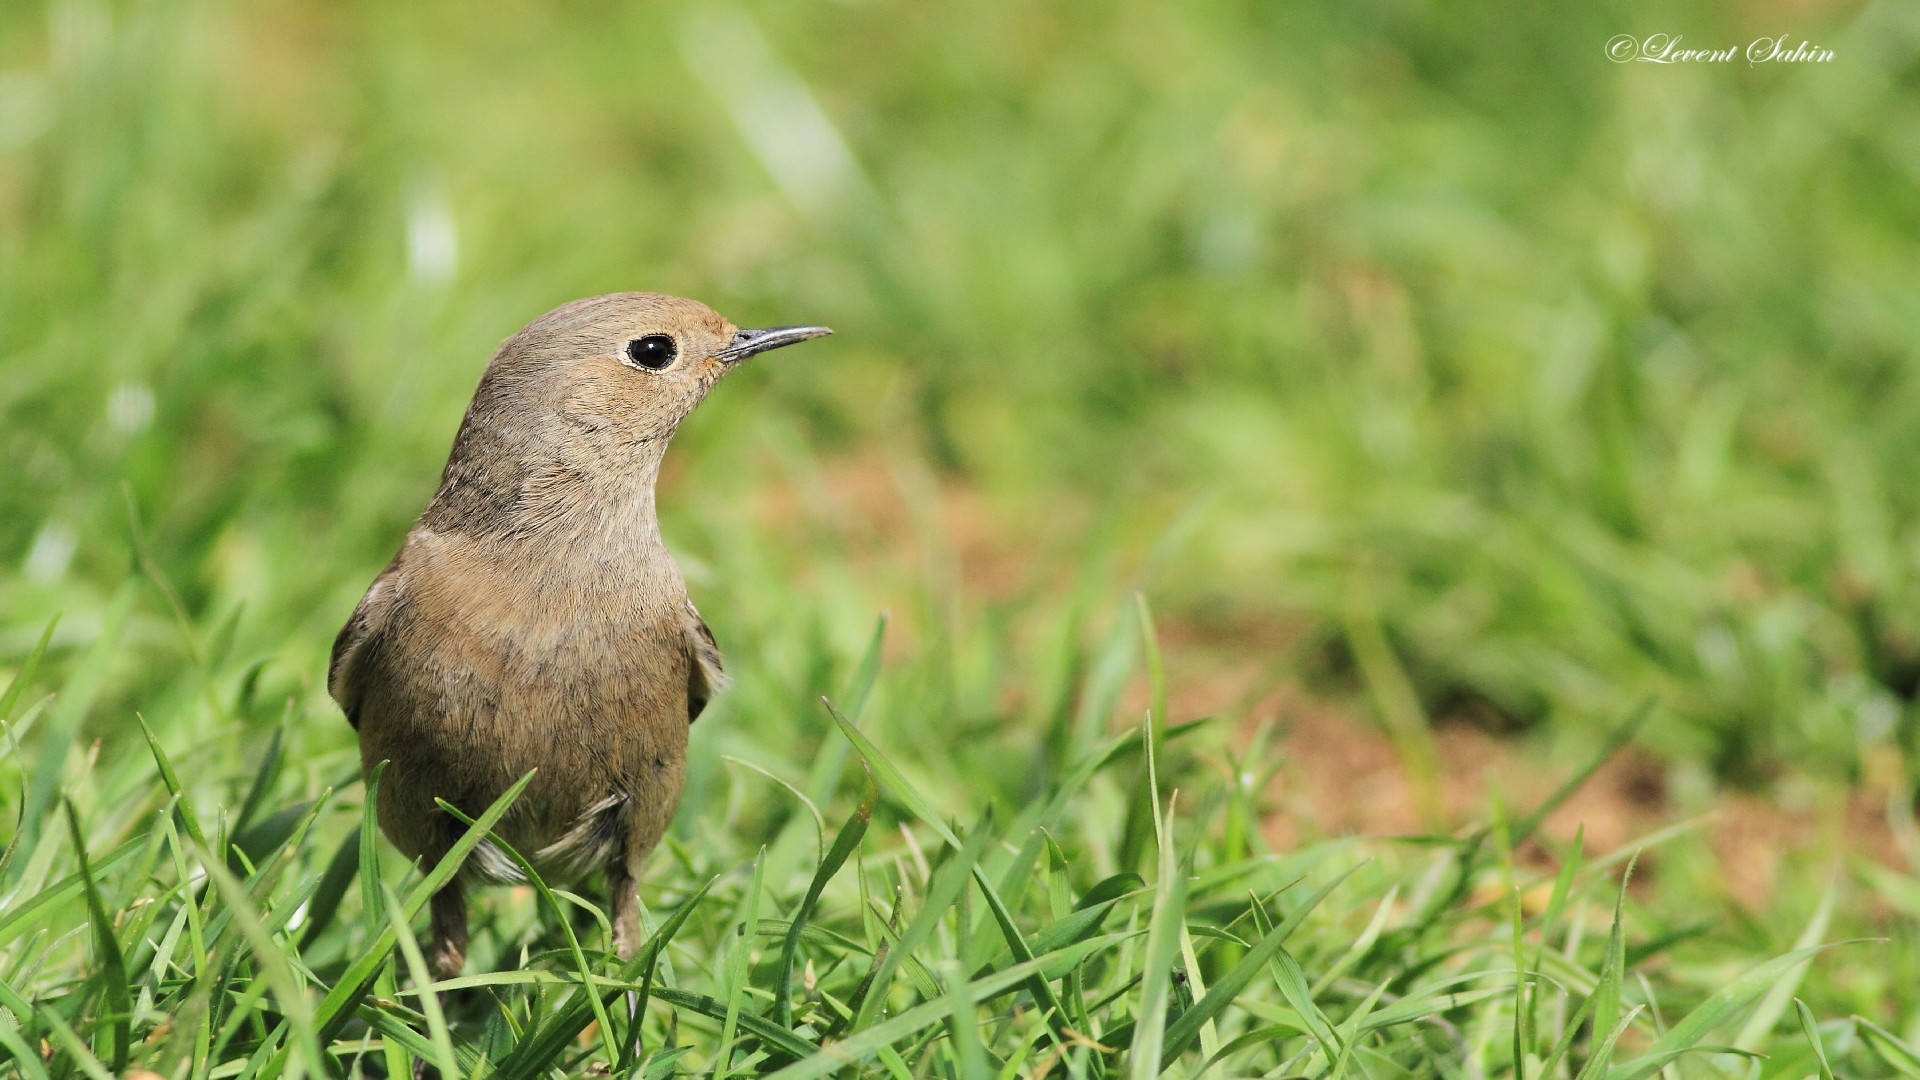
column 655, row 352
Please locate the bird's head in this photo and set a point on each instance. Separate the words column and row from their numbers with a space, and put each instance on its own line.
column 623, row 369
column 578, row 407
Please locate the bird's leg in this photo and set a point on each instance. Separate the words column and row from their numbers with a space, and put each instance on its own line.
column 624, row 894
column 449, row 931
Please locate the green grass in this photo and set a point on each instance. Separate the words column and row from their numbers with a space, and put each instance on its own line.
column 1118, row 915
column 1418, row 356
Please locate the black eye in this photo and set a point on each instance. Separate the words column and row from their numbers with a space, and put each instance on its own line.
column 653, row 352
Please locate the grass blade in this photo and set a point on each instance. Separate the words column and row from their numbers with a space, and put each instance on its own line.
column 737, row 967
column 170, row 778
column 1292, row 980
column 1602, row 1055
column 844, row 845
column 367, row 849
column 1888, row 1047
column 1812, row 1031
column 889, row 774
column 23, row 677
column 1606, row 995
column 113, row 965
column 1156, row 976
column 440, row 1041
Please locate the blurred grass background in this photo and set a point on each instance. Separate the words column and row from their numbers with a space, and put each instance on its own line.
column 1580, row 381
column 1419, row 352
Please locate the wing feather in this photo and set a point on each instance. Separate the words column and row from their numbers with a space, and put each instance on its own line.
column 705, row 675
column 357, row 641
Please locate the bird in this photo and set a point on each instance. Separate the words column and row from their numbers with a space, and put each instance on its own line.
column 533, row 620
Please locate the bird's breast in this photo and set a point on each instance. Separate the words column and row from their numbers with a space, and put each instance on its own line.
column 555, row 636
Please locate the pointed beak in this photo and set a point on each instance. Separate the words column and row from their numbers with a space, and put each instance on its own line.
column 747, row 342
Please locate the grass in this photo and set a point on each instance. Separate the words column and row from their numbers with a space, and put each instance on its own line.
column 1119, row 917
column 1418, row 359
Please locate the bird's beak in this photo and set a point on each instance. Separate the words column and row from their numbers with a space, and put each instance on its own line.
column 747, row 342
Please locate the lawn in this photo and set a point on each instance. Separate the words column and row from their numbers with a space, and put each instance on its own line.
column 1331, row 539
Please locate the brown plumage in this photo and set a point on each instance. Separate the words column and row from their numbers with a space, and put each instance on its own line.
column 534, row 620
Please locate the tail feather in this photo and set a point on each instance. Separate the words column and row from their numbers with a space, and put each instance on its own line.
column 592, row 843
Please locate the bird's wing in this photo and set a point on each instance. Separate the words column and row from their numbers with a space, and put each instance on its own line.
column 356, row 641
column 705, row 676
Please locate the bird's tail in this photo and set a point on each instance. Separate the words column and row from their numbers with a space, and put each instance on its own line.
column 589, row 845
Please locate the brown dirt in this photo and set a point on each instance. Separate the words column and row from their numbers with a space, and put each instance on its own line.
column 1341, row 775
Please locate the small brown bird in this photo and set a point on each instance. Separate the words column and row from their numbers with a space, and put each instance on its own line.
column 534, row 620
